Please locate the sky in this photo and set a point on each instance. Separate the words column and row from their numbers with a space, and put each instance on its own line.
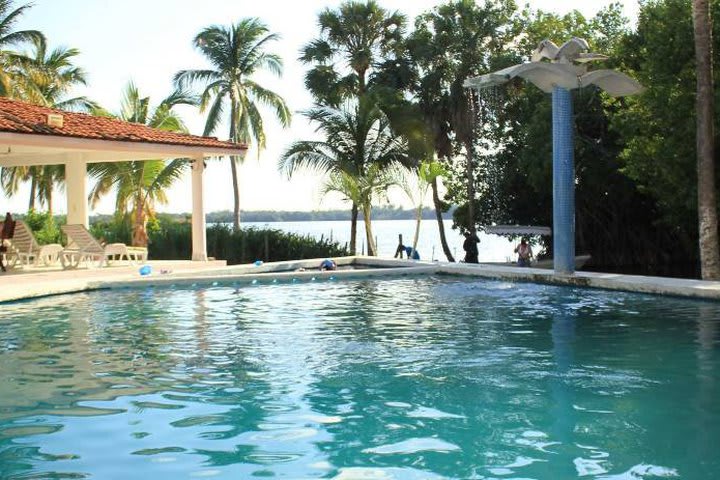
column 147, row 41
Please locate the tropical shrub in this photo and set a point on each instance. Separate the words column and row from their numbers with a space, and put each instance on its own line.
column 174, row 242
column 43, row 225
column 115, row 230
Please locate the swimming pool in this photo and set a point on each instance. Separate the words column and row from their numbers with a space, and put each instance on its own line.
column 406, row 378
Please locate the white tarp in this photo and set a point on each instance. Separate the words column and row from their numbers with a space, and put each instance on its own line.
column 517, row 230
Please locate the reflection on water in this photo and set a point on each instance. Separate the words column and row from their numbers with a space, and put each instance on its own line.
column 403, row 378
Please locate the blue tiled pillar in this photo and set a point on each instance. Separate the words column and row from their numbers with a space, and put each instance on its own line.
column 563, row 182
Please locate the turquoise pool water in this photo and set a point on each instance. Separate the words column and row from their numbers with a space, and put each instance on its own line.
column 409, row 378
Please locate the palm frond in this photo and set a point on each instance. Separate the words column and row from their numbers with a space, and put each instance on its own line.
column 251, row 126
column 271, row 99
column 214, row 115
column 317, row 51
column 133, row 107
column 78, row 104
column 308, row 155
column 187, row 78
column 181, row 96
column 23, row 36
column 170, row 173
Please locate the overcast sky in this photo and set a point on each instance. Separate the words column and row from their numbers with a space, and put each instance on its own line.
column 147, row 41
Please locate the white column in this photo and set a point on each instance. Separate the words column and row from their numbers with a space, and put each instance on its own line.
column 76, row 189
column 199, row 242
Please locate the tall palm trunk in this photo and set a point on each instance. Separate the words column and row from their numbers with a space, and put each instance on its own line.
column 441, row 224
column 469, row 174
column 140, row 238
column 50, row 201
column 464, row 121
column 372, row 250
column 707, row 198
column 234, row 137
column 236, row 194
column 353, row 229
column 418, row 220
column 139, row 234
column 33, row 191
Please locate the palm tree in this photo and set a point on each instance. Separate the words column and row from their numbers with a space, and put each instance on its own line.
column 140, row 185
column 707, row 197
column 362, row 190
column 11, row 178
column 43, row 182
column 45, row 78
column 415, row 184
column 422, row 120
column 236, row 53
column 455, row 41
column 356, row 137
column 9, row 37
column 357, row 34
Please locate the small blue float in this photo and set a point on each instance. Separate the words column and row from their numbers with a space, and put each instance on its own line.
column 258, row 263
column 145, row 270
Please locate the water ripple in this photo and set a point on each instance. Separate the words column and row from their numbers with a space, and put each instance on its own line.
column 406, row 378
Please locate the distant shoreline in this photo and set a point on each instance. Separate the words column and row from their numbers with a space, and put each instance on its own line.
column 378, row 213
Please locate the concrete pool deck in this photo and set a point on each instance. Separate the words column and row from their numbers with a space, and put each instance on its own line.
column 25, row 283
column 38, row 282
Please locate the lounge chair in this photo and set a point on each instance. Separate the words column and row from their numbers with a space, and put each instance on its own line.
column 26, row 249
column 82, row 246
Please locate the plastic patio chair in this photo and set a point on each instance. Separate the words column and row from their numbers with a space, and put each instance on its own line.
column 83, row 247
column 24, row 248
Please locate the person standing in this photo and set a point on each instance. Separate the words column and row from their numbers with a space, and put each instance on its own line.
column 524, row 253
column 7, row 232
column 470, row 245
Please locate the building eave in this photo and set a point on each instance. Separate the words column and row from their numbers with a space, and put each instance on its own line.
column 25, row 149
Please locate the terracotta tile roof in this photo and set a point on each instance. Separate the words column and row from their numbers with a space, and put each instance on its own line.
column 21, row 117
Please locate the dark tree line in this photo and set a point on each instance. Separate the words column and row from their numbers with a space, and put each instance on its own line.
column 636, row 180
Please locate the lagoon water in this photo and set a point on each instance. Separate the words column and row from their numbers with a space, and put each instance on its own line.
column 404, row 378
column 492, row 248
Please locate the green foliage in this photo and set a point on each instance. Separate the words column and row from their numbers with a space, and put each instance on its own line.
column 358, row 34
column 453, row 42
column 358, row 136
column 636, row 180
column 43, row 226
column 9, row 37
column 237, row 54
column 140, row 185
column 118, row 229
column 173, row 242
column 359, row 145
column 659, row 126
column 616, row 222
column 46, row 77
